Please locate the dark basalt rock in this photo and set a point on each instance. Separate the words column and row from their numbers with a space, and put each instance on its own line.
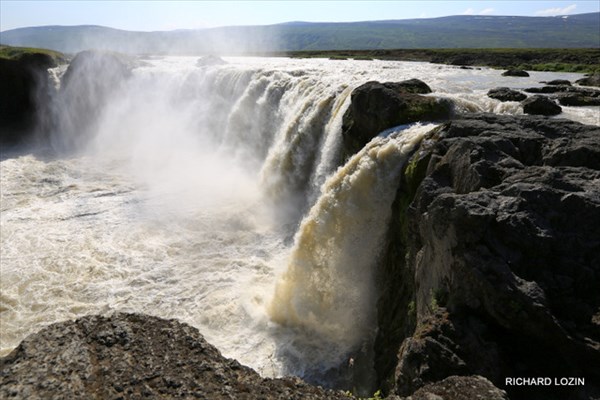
column 591, row 80
column 546, row 89
column 515, row 72
column 570, row 95
column 23, row 95
column 416, row 86
column 540, row 105
column 131, row 356
column 376, row 107
column 506, row 94
column 579, row 99
column 493, row 261
column 558, row 82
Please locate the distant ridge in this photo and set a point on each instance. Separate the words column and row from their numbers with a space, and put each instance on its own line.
column 462, row 31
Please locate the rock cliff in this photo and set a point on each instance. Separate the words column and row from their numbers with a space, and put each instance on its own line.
column 23, row 91
column 492, row 266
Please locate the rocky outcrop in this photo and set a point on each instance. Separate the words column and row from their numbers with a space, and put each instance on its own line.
column 515, row 72
column 23, row 94
column 131, row 356
column 506, row 94
column 492, row 266
column 540, row 105
column 378, row 106
column 590, row 80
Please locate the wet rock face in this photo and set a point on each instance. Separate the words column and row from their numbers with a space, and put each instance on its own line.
column 501, row 263
column 130, row 356
column 378, row 106
column 23, row 94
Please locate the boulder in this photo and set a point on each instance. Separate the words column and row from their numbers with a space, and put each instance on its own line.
column 515, row 72
column 131, row 356
column 540, row 105
column 546, row 89
column 590, row 80
column 492, row 265
column 506, row 94
column 558, row 82
column 579, row 99
column 377, row 106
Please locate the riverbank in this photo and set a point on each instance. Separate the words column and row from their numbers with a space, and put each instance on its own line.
column 555, row 60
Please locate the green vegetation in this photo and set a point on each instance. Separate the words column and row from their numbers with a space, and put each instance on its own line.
column 15, row 53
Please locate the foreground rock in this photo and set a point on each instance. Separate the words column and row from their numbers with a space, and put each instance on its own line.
column 515, row 72
column 130, row 356
column 493, row 263
column 540, row 105
column 506, row 94
column 378, row 106
column 460, row 388
column 24, row 89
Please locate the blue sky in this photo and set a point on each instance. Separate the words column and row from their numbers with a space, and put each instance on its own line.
column 167, row 15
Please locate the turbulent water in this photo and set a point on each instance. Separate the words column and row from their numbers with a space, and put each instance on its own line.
column 213, row 195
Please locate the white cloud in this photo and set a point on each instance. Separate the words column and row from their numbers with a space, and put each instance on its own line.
column 468, row 11
column 486, row 11
column 557, row 10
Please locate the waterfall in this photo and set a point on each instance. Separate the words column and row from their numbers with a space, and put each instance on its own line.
column 327, row 292
column 216, row 195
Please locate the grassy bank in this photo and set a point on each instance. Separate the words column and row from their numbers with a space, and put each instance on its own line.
column 15, row 53
column 560, row 60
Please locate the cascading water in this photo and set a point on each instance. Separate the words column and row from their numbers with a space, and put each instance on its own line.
column 178, row 192
column 327, row 292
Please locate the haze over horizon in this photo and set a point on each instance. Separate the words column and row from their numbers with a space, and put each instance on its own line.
column 161, row 15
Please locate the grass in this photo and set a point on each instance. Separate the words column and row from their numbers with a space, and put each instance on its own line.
column 14, row 53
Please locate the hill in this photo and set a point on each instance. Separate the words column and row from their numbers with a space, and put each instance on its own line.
column 573, row 31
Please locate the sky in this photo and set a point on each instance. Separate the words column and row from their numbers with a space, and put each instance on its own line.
column 169, row 15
